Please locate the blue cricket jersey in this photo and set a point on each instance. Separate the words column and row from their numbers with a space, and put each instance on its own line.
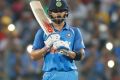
column 58, row 61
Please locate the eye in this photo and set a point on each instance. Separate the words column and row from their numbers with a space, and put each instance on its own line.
column 56, row 11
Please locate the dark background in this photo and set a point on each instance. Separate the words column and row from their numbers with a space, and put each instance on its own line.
column 98, row 20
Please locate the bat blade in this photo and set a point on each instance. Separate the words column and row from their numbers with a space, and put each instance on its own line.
column 41, row 17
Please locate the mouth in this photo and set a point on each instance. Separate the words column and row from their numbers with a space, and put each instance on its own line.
column 60, row 17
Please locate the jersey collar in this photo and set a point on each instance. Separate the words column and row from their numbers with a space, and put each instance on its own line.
column 66, row 26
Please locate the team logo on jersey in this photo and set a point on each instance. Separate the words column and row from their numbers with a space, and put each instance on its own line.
column 68, row 35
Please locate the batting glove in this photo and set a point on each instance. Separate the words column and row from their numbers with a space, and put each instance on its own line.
column 58, row 45
column 51, row 39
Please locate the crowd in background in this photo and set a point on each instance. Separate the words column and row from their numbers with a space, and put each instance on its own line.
column 98, row 20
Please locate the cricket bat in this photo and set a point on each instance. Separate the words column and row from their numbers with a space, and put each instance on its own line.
column 41, row 17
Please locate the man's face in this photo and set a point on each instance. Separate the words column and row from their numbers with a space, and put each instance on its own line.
column 58, row 16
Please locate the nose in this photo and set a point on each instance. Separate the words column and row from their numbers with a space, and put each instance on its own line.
column 58, row 13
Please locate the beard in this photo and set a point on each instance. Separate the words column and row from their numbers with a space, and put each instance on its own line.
column 58, row 20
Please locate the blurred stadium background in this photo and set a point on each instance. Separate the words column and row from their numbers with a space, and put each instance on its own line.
column 98, row 20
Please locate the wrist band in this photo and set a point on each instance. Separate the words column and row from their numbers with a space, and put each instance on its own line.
column 78, row 56
column 47, row 49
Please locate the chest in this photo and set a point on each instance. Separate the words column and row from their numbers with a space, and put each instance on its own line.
column 67, row 35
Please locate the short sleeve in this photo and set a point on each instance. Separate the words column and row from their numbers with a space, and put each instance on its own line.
column 38, row 40
column 78, row 40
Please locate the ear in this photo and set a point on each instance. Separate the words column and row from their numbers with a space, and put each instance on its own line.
column 66, row 14
column 49, row 13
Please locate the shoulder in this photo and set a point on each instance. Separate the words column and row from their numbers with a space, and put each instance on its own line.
column 39, row 32
column 75, row 28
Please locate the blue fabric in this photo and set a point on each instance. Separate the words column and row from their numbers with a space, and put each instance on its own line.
column 57, row 61
column 55, row 75
column 38, row 41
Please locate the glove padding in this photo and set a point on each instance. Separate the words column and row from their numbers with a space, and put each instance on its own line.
column 51, row 39
column 58, row 45
column 64, row 52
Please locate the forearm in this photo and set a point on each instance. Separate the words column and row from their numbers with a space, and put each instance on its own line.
column 71, row 54
column 74, row 55
column 38, row 54
column 67, row 53
column 80, row 55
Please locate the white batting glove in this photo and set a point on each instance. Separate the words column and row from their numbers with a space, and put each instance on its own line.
column 58, row 45
column 51, row 39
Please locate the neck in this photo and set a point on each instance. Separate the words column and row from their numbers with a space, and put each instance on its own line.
column 59, row 26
